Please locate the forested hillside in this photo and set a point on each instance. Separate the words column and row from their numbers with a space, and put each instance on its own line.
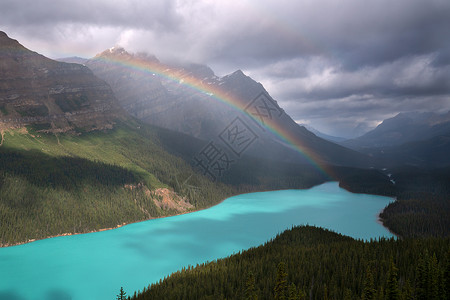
column 53, row 184
column 423, row 203
column 66, row 183
column 313, row 263
column 423, row 197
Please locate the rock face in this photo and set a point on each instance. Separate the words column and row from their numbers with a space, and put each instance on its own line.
column 193, row 100
column 52, row 96
column 153, row 91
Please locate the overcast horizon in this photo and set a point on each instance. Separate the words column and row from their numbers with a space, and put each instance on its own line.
column 339, row 66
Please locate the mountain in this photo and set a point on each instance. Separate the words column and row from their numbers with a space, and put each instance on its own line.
column 60, row 174
column 429, row 153
column 160, row 100
column 73, row 60
column 403, row 128
column 191, row 99
column 52, row 96
column 331, row 138
column 73, row 161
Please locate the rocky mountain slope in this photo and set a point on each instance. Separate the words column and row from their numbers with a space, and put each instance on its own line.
column 193, row 100
column 151, row 91
column 61, row 173
column 52, row 96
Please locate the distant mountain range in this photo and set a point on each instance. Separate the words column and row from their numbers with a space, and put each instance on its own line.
column 403, row 128
column 52, row 96
column 331, row 138
column 73, row 160
column 416, row 138
column 73, row 60
column 191, row 99
column 67, row 96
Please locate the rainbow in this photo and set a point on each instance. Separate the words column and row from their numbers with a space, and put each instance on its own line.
column 155, row 68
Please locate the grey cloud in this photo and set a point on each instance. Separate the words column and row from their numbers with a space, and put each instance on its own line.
column 347, row 62
column 160, row 15
column 341, row 117
column 408, row 76
column 353, row 33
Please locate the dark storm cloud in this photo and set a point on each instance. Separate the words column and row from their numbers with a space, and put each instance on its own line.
column 341, row 64
column 411, row 76
column 353, row 34
column 48, row 13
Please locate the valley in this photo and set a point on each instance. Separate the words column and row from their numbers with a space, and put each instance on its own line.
column 181, row 156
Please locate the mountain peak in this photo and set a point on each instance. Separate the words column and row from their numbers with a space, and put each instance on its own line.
column 114, row 51
column 416, row 117
column 120, row 52
column 198, row 70
column 117, row 49
column 238, row 73
column 403, row 128
column 7, row 45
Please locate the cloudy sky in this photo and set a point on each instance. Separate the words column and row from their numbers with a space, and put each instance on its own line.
column 341, row 66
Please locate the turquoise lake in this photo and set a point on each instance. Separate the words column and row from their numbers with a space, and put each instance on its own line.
column 96, row 265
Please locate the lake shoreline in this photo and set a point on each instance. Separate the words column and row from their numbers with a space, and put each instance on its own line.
column 7, row 245
column 147, row 252
column 379, row 220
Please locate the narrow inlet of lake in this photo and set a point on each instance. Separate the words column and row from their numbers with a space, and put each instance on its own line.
column 96, row 265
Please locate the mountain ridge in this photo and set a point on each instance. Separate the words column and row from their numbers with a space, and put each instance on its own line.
column 54, row 96
column 165, row 101
column 403, row 128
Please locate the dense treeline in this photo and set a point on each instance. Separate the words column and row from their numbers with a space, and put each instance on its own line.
column 38, row 168
column 52, row 185
column 368, row 181
column 65, row 172
column 313, row 263
column 423, row 203
column 57, row 184
column 423, row 197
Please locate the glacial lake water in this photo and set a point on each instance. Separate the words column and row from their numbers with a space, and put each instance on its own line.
column 96, row 265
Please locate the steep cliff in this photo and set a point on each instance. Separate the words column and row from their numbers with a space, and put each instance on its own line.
column 52, row 96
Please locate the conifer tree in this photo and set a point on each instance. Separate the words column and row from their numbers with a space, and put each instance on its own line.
column 293, row 295
column 369, row 287
column 392, row 290
column 325, row 292
column 434, row 278
column 281, row 282
column 347, row 294
column 380, row 294
column 250, row 291
column 122, row 294
column 422, row 278
column 301, row 295
column 446, row 281
column 407, row 293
